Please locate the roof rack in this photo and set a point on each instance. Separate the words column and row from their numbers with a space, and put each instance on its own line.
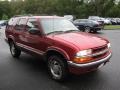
column 29, row 15
column 23, row 15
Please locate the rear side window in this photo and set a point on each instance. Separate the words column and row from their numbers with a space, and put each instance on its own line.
column 13, row 21
column 22, row 21
column 21, row 24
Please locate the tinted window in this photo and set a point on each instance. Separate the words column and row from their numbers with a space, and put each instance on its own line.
column 22, row 21
column 13, row 21
column 21, row 24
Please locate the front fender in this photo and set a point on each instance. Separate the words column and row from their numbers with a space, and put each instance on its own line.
column 61, row 51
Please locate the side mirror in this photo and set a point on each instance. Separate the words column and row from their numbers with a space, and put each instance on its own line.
column 34, row 31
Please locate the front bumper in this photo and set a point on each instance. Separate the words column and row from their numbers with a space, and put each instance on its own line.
column 91, row 63
column 87, row 67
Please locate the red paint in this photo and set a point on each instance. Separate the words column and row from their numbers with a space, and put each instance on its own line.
column 68, row 44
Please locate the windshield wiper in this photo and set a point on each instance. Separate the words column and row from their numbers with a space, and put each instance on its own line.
column 55, row 32
column 71, row 31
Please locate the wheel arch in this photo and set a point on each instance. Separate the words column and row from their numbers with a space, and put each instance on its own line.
column 11, row 38
column 57, row 51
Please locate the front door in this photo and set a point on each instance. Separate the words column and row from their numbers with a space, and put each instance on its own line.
column 34, row 42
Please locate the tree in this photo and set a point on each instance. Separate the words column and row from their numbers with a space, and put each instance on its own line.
column 5, row 9
column 79, row 8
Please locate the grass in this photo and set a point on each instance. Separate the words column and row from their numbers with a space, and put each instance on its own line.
column 112, row 27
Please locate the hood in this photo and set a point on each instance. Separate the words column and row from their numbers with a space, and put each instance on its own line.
column 81, row 40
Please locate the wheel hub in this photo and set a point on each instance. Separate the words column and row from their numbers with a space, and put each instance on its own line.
column 55, row 69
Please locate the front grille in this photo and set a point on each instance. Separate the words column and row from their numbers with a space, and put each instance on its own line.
column 100, row 52
column 99, row 49
column 100, row 56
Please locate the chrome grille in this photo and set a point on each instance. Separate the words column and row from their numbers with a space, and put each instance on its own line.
column 100, row 52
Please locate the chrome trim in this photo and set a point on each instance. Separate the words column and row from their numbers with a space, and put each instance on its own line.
column 61, row 51
column 99, row 53
column 30, row 48
column 96, row 54
column 91, row 63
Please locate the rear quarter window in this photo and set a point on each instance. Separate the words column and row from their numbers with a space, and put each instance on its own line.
column 13, row 21
column 21, row 24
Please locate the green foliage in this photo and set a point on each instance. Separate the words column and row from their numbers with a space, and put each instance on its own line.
column 79, row 8
column 4, row 9
column 4, row 17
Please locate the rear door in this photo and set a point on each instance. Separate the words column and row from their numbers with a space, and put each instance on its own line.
column 11, row 26
column 19, row 31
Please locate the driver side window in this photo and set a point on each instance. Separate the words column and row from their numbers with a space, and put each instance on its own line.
column 32, row 23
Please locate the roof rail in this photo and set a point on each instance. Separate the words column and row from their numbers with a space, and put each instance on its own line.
column 23, row 15
column 29, row 15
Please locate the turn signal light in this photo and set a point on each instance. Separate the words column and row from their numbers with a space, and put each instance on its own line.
column 81, row 60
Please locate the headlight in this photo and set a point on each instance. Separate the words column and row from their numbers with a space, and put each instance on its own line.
column 83, row 56
column 84, row 53
column 108, row 45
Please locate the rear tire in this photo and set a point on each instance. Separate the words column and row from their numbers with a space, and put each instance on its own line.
column 57, row 67
column 15, row 52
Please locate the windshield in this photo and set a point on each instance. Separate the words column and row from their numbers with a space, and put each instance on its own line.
column 56, row 25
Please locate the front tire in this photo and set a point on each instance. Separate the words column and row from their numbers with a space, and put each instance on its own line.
column 57, row 68
column 15, row 52
column 87, row 30
column 95, row 31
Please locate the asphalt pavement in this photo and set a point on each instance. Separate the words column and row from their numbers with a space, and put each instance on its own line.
column 30, row 73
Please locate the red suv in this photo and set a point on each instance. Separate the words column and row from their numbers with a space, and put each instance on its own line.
column 63, row 47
